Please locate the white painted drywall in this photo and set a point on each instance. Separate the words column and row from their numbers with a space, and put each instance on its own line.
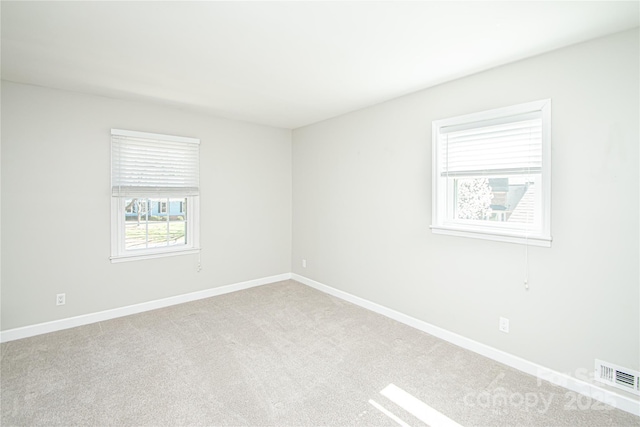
column 56, row 204
column 362, row 210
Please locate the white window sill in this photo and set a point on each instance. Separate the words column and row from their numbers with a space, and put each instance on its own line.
column 137, row 257
column 497, row 236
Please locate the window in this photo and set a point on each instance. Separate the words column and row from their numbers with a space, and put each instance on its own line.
column 491, row 174
column 155, row 188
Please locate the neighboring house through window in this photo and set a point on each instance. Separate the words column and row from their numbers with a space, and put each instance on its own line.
column 155, row 188
column 492, row 174
column 136, row 206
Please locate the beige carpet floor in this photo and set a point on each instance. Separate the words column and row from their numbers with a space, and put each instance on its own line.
column 279, row 354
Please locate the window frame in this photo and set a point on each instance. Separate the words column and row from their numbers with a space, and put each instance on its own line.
column 505, row 233
column 119, row 253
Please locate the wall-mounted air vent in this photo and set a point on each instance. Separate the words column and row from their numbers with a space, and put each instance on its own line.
column 616, row 376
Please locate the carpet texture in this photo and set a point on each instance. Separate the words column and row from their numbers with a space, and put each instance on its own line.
column 281, row 355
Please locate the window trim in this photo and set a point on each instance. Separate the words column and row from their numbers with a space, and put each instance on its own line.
column 440, row 224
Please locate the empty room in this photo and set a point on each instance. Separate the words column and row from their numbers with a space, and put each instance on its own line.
column 311, row 213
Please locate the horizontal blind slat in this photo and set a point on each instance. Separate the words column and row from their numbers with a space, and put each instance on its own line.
column 154, row 166
column 494, row 172
column 508, row 147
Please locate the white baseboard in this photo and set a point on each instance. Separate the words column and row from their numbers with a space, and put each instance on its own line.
column 619, row 401
column 85, row 319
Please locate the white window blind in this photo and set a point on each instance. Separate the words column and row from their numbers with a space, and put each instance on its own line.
column 505, row 146
column 144, row 164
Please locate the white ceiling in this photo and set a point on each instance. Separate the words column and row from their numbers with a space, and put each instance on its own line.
column 285, row 64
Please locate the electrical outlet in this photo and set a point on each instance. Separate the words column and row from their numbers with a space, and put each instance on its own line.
column 304, row 263
column 61, row 299
column 504, row 325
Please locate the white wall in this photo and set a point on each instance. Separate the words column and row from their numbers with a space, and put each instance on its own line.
column 362, row 210
column 56, row 204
